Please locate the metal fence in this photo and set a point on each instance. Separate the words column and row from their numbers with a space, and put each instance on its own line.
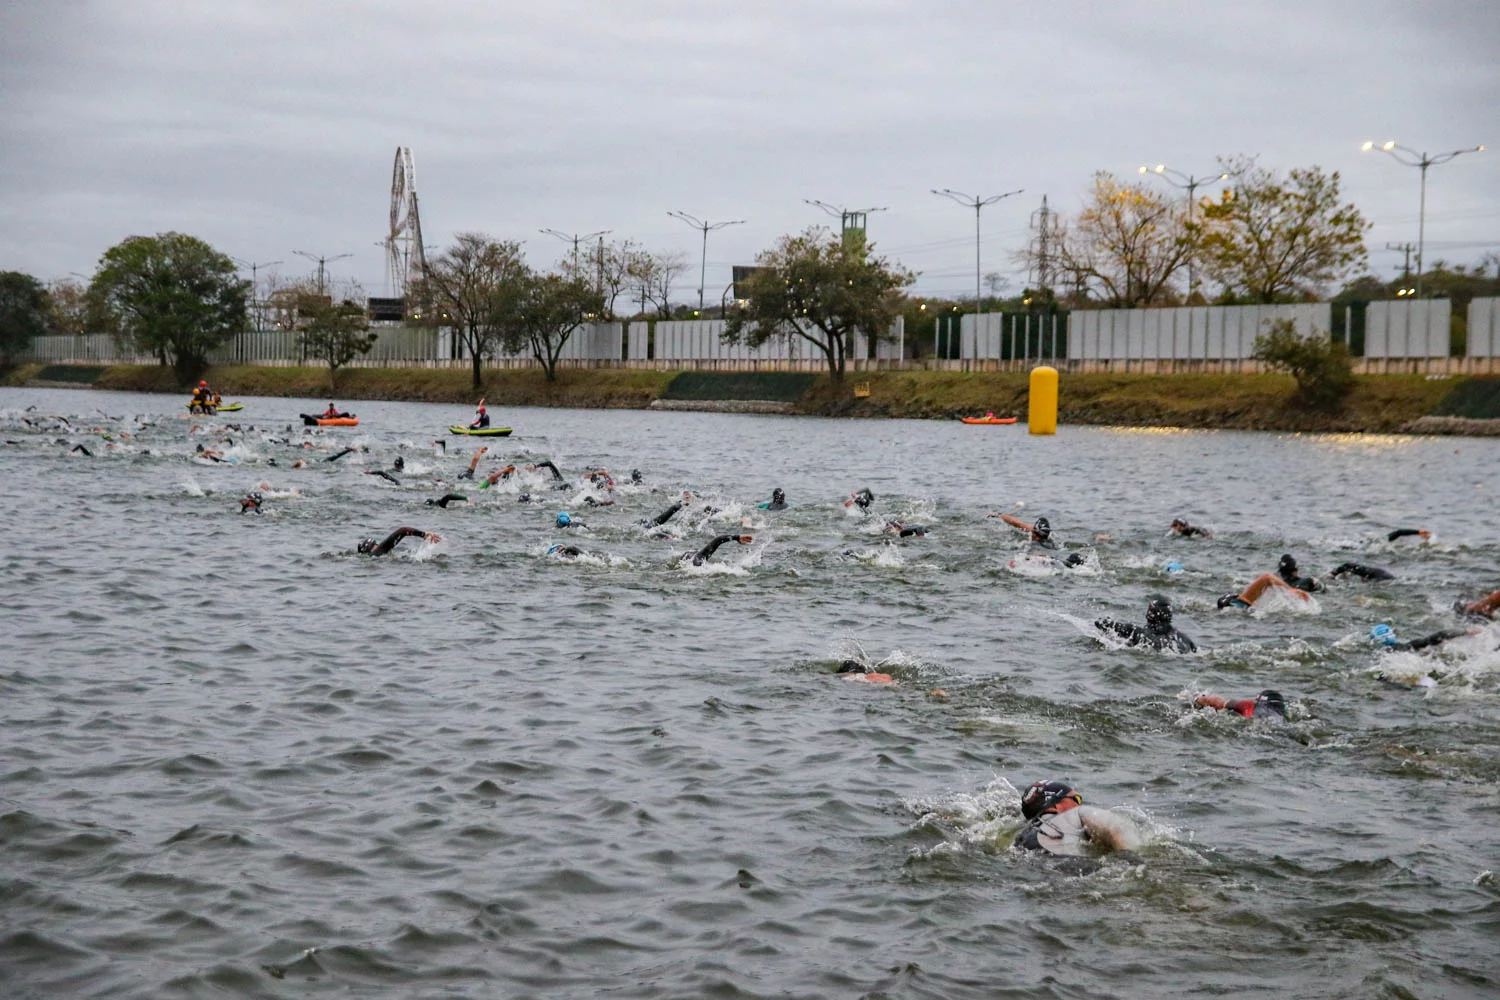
column 1013, row 337
column 702, row 340
column 1415, row 329
column 1192, row 333
column 1484, row 328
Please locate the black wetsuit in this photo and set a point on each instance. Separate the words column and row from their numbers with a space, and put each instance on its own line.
column 1428, row 641
column 1138, row 635
column 1363, row 572
column 773, row 505
column 446, row 499
column 1190, row 531
column 708, row 550
column 335, row 458
column 862, row 498
column 906, row 530
column 1402, row 533
column 663, row 517
column 1307, row 583
column 383, row 475
column 391, row 540
column 78, row 447
column 548, row 465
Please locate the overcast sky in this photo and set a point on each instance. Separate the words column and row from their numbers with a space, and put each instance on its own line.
column 268, row 126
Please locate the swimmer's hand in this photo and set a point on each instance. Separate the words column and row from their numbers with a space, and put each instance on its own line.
column 745, row 539
column 1110, row 829
column 432, row 536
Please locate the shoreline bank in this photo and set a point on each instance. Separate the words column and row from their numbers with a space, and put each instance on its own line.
column 1378, row 403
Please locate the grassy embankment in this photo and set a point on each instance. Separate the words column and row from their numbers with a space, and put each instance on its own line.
column 1379, row 403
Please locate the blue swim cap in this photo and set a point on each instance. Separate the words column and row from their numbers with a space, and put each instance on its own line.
column 1383, row 634
column 563, row 520
column 1172, row 566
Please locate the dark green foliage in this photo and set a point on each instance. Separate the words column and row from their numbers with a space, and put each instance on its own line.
column 171, row 295
column 1323, row 369
column 82, row 374
column 337, row 334
column 550, row 308
column 788, row 387
column 1476, row 398
column 23, row 313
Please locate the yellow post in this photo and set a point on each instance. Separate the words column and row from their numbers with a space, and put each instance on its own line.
column 1041, row 411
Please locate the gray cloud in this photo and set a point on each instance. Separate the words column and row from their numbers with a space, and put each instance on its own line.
column 269, row 126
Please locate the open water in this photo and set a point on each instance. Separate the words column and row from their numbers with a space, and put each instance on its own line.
column 237, row 759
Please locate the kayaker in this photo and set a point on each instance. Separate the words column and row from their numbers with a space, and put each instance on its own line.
column 481, row 418
column 1182, row 528
column 331, row 412
column 1158, row 633
column 371, row 547
column 1267, row 704
column 1058, row 822
column 703, row 555
column 1266, row 581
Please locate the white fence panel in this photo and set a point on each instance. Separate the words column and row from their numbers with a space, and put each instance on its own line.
column 1484, row 328
column 1211, row 333
column 1416, row 329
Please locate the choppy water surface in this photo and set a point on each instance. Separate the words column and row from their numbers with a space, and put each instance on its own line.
column 239, row 759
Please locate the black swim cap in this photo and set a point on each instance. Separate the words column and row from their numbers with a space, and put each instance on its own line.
column 1159, row 614
column 368, row 545
column 1045, row 796
column 399, row 463
column 1287, row 564
column 852, row 667
column 1271, row 701
column 778, row 494
column 1228, row 600
column 1042, row 527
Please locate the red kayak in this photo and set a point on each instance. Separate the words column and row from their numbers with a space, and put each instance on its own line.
column 988, row 418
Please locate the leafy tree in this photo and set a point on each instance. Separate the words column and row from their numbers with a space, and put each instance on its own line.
column 171, row 295
column 336, row 335
column 1272, row 238
column 23, row 313
column 1323, row 370
column 549, row 309
column 474, row 287
column 1124, row 248
column 822, row 288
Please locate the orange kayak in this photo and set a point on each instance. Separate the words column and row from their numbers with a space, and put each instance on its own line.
column 988, row 418
column 338, row 421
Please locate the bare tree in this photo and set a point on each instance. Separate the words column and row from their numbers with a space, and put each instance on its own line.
column 1125, row 247
column 652, row 276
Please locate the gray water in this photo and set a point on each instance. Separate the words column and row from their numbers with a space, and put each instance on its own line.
column 240, row 760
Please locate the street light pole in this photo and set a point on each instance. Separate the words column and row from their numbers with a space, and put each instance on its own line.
column 323, row 263
column 577, row 238
column 697, row 223
column 1411, row 158
column 1189, row 183
column 255, row 284
column 976, row 203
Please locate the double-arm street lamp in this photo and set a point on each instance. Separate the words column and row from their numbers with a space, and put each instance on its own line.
column 1189, row 183
column 1411, row 158
column 976, row 203
column 697, row 223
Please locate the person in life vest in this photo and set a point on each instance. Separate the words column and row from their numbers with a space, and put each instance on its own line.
column 481, row 418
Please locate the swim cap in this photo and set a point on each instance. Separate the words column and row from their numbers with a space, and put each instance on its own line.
column 1178, row 522
column 203, row 385
column 1287, row 564
column 1270, row 701
column 1159, row 615
column 1229, row 600
column 368, row 545
column 1042, row 527
column 1046, row 797
column 778, row 495
column 563, row 520
column 1172, row 566
column 1383, row 634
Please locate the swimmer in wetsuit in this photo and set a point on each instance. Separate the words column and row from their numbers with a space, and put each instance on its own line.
column 546, row 464
column 1158, row 633
column 905, row 530
column 704, row 554
column 566, row 520
column 383, row 475
column 1267, row 704
column 448, row 498
column 496, row 476
column 370, row 547
column 251, row 503
column 1384, row 637
column 1287, row 570
column 1182, row 528
column 861, row 498
column 1361, row 571
column 1485, row 607
column 1058, row 822
column 1421, row 533
column 335, row 458
column 80, row 448
column 473, row 464
column 564, row 552
column 1257, row 588
column 664, row 516
column 854, row 670
column 1040, row 530
column 777, row 501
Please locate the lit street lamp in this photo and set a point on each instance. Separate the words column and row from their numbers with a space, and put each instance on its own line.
column 1411, row 158
column 1190, row 184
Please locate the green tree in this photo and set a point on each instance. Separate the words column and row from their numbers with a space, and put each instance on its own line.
column 549, row 309
column 23, row 313
column 336, row 335
column 1271, row 239
column 1124, row 249
column 822, row 288
column 171, row 295
column 474, row 287
column 68, row 312
column 1323, row 370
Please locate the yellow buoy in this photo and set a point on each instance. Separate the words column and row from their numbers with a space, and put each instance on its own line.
column 1041, row 412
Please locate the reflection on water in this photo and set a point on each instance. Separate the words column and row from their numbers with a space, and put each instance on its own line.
column 241, row 760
